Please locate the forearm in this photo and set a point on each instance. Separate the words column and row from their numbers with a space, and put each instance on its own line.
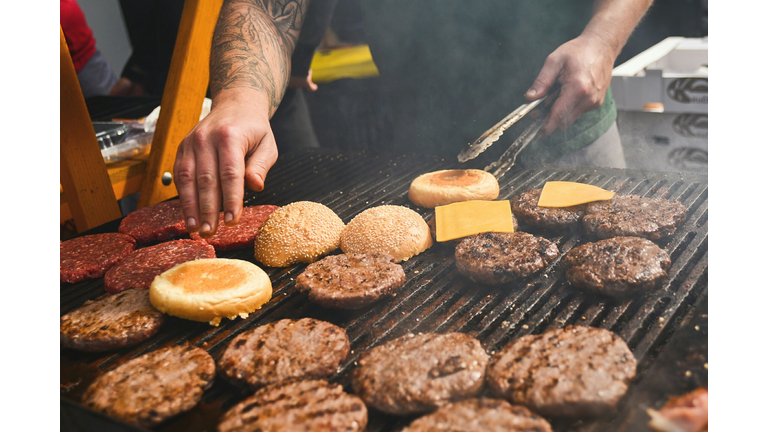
column 614, row 20
column 252, row 46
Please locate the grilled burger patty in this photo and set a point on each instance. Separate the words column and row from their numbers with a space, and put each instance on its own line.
column 617, row 266
column 631, row 215
column 308, row 405
column 351, row 281
column 570, row 372
column 497, row 258
column 480, row 414
column 284, row 350
column 90, row 256
column 418, row 373
column 154, row 387
column 111, row 321
column 525, row 206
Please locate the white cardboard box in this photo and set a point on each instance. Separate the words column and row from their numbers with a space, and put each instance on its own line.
column 673, row 72
column 675, row 142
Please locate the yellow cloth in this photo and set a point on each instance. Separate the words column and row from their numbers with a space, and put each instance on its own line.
column 347, row 62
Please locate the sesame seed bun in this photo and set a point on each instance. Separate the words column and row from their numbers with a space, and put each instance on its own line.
column 209, row 289
column 394, row 230
column 303, row 231
column 449, row 186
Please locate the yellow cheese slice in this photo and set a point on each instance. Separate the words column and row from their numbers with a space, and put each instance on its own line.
column 467, row 218
column 567, row 194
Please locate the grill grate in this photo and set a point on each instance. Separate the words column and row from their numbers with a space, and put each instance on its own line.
column 435, row 297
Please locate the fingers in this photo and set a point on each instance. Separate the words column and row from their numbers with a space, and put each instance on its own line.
column 208, row 186
column 546, row 78
column 576, row 98
column 231, row 174
column 259, row 162
column 186, row 185
column 312, row 85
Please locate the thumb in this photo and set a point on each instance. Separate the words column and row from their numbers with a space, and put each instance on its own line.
column 259, row 163
column 546, row 78
column 312, row 85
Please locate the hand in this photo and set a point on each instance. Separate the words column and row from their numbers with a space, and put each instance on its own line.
column 583, row 68
column 231, row 147
column 126, row 87
column 302, row 82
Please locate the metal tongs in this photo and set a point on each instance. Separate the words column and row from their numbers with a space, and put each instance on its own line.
column 507, row 160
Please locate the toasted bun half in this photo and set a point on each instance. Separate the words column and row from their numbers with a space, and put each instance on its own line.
column 210, row 289
column 394, row 230
column 449, row 186
column 303, row 231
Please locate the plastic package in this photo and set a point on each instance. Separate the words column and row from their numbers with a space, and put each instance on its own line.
column 120, row 141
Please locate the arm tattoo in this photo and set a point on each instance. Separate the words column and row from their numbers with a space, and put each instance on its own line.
column 252, row 45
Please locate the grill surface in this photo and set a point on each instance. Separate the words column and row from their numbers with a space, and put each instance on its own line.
column 665, row 329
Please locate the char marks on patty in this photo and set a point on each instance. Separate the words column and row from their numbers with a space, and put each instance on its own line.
column 418, row 373
column 110, row 322
column 525, row 206
column 498, row 258
column 480, row 414
column 154, row 387
column 284, row 350
column 307, row 405
column 631, row 215
column 570, row 372
column 351, row 281
column 617, row 266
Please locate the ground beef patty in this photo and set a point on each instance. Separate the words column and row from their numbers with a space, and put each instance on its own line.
column 284, row 350
column 308, row 405
column 241, row 235
column 351, row 281
column 157, row 222
column 139, row 269
column 570, row 372
column 631, row 215
column 617, row 266
column 111, row 321
column 418, row 373
column 151, row 388
column 497, row 258
column 525, row 206
column 480, row 414
column 90, row 256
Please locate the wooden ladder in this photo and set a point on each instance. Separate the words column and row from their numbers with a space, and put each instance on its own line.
column 90, row 189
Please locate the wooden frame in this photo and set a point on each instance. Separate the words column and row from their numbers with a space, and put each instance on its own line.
column 89, row 189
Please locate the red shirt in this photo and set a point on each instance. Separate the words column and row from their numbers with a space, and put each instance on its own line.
column 79, row 36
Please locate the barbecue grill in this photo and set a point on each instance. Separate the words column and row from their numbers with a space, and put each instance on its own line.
column 666, row 329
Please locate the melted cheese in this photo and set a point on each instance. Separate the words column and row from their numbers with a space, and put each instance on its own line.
column 567, row 194
column 467, row 218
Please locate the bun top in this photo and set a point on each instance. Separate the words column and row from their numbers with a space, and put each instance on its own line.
column 449, row 186
column 302, row 231
column 394, row 230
